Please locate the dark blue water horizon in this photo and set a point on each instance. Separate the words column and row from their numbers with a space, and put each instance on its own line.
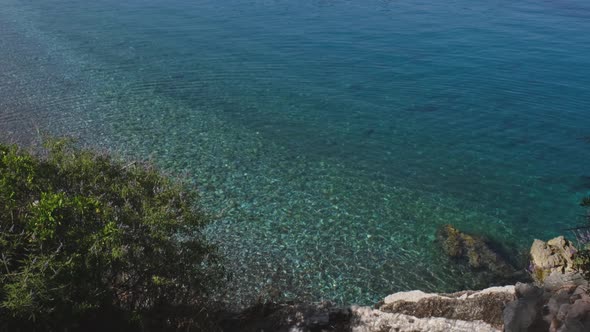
column 330, row 139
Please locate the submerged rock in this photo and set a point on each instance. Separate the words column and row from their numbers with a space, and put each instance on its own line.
column 475, row 250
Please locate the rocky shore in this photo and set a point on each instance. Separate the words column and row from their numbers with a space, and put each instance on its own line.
column 557, row 300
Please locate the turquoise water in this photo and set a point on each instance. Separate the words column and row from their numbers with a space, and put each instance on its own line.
column 329, row 139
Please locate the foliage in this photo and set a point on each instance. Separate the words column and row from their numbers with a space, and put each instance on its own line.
column 85, row 239
column 582, row 234
column 582, row 263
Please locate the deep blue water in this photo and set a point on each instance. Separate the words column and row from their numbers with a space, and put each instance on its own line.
column 330, row 139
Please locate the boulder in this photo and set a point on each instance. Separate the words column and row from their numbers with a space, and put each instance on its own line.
column 556, row 280
column 555, row 256
column 525, row 312
column 566, row 309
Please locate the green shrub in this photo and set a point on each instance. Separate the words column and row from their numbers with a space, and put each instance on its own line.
column 87, row 240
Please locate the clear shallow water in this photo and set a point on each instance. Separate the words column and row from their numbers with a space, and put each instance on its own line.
column 330, row 139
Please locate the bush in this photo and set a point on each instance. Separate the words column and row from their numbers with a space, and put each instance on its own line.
column 582, row 234
column 90, row 242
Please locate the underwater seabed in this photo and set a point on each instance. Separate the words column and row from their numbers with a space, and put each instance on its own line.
column 288, row 224
column 299, row 227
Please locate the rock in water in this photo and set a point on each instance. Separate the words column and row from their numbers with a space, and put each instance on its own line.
column 555, row 256
column 475, row 250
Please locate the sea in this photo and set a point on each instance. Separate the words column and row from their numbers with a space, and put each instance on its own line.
column 329, row 140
